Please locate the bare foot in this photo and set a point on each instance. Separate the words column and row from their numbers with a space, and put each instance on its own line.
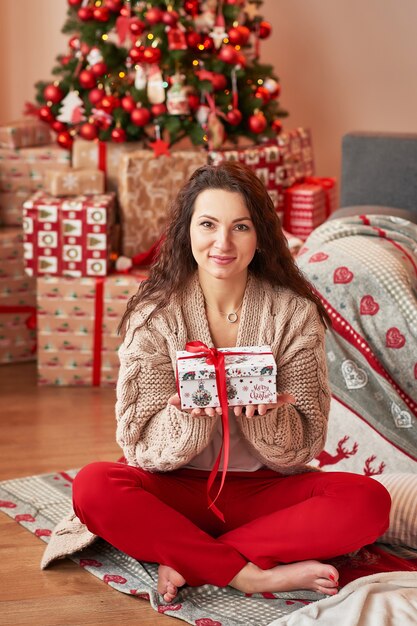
column 168, row 582
column 311, row 575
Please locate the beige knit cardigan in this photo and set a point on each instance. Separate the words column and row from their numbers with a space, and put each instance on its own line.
column 158, row 437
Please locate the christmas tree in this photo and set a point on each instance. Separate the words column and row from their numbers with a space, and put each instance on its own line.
column 141, row 70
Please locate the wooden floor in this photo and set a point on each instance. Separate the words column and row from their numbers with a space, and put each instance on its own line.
column 44, row 429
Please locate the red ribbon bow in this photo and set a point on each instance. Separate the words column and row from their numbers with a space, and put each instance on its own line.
column 216, row 358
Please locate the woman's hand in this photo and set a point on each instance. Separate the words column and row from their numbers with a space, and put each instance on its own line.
column 250, row 409
column 210, row 411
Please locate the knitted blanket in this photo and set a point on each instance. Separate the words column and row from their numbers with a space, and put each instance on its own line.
column 365, row 271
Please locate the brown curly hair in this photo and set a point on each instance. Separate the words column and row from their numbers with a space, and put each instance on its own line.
column 175, row 263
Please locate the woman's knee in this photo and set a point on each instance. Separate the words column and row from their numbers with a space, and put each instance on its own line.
column 92, row 485
column 372, row 502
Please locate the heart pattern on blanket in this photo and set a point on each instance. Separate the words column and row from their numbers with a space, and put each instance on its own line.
column 394, row 339
column 319, row 256
column 355, row 377
column 402, row 418
column 342, row 275
column 368, row 306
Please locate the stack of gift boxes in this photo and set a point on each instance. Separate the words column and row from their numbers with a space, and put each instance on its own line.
column 286, row 166
column 61, row 215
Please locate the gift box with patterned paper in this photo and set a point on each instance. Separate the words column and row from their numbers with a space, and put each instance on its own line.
column 68, row 236
column 101, row 155
column 147, row 185
column 305, row 208
column 11, row 207
column 297, row 147
column 24, row 133
column 17, row 301
column 25, row 169
column 74, row 182
column 77, row 328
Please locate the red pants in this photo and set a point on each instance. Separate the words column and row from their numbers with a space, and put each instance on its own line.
column 269, row 519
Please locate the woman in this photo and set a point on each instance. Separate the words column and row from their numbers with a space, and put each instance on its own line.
column 225, row 277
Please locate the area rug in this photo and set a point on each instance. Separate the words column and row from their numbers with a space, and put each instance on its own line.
column 39, row 502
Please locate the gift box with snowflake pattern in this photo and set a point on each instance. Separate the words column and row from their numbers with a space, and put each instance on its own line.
column 68, row 236
column 250, row 378
column 25, row 169
column 24, row 133
column 74, row 182
column 77, row 328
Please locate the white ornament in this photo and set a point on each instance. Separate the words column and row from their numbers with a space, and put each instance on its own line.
column 140, row 77
column 94, row 56
column 72, row 109
column 270, row 85
column 155, row 91
column 177, row 101
column 202, row 114
column 218, row 34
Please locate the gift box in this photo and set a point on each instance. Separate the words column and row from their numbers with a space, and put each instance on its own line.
column 74, row 182
column 77, row 328
column 305, row 208
column 17, row 301
column 147, row 185
column 68, row 236
column 11, row 207
column 24, row 133
column 101, row 155
column 329, row 186
column 24, row 170
column 250, row 378
column 297, row 147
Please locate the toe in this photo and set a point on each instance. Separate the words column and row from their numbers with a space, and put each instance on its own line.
column 329, row 591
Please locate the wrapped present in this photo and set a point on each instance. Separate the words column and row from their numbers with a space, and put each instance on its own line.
column 147, row 185
column 24, row 134
column 68, row 236
column 24, row 170
column 11, row 207
column 102, row 155
column 77, row 328
column 17, row 301
column 297, row 148
column 305, row 208
column 250, row 377
column 329, row 186
column 74, row 182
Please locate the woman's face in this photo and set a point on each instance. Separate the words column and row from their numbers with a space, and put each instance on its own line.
column 223, row 237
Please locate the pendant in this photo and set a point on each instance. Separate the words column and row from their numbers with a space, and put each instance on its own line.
column 232, row 317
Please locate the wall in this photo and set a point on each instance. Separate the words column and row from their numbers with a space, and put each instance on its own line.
column 344, row 64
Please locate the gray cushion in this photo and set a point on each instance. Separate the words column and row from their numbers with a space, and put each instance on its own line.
column 379, row 169
column 350, row 211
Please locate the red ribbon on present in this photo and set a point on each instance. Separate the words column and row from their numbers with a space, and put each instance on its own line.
column 216, row 358
column 30, row 321
column 327, row 184
column 102, row 156
column 98, row 331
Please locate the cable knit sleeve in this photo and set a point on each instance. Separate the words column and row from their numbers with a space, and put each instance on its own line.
column 153, row 434
column 292, row 435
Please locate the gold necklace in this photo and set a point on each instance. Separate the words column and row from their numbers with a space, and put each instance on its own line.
column 231, row 317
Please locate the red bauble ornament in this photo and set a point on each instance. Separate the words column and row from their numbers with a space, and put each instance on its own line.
column 241, row 59
column 170, row 18
column 263, row 94
column 52, row 93
column 64, row 60
column 58, row 126
column 193, row 101
column 137, row 26
column 140, row 116
column 276, row 126
column 109, row 103
column 95, row 96
column 65, row 140
column 113, row 5
column 85, row 48
column 85, row 14
column 74, row 42
column 158, row 109
column 128, row 104
column 99, row 69
column 118, row 135
column 88, row 131
column 265, row 30
column 219, row 82
column 193, row 39
column 228, row 54
column 257, row 123
column 154, row 15
column 152, row 55
column 208, row 44
column 137, row 54
column 234, row 117
column 239, row 35
column 45, row 114
column 87, row 79
column 101, row 14
column 191, row 7
column 74, row 3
